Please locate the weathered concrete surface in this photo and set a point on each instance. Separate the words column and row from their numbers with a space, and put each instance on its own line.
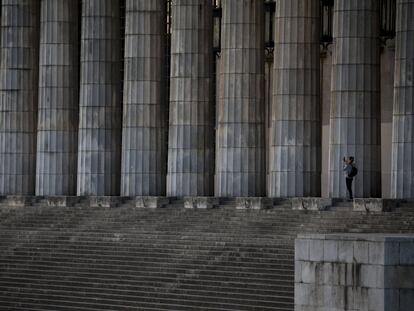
column 241, row 169
column 355, row 107
column 191, row 130
column 354, row 272
column 144, row 117
column 295, row 132
column 18, row 95
column 58, row 99
column 201, row 202
column 402, row 175
column 99, row 150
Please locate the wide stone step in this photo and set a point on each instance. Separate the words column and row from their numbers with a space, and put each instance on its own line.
column 140, row 303
column 129, row 288
column 278, row 285
column 159, row 271
column 158, row 292
column 268, row 262
column 213, row 267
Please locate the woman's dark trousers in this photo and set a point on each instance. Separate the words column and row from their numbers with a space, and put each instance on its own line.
column 349, row 188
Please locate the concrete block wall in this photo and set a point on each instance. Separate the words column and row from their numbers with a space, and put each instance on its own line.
column 370, row 272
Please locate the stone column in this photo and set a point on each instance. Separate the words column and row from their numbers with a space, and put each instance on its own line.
column 18, row 96
column 58, row 99
column 99, row 164
column 144, row 123
column 241, row 169
column 295, row 133
column 355, row 106
column 402, row 174
column 191, row 130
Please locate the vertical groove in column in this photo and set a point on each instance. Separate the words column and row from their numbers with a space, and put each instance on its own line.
column 355, row 106
column 144, row 122
column 191, row 129
column 241, row 169
column 295, row 137
column 402, row 174
column 58, row 99
column 100, row 116
column 18, row 96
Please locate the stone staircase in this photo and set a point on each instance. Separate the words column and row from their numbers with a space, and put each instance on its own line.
column 125, row 258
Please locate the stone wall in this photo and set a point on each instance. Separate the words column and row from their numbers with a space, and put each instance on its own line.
column 354, row 272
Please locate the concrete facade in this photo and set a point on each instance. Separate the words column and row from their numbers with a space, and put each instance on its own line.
column 18, row 95
column 191, row 123
column 57, row 130
column 100, row 107
column 402, row 175
column 355, row 106
column 371, row 272
column 240, row 163
column 295, row 132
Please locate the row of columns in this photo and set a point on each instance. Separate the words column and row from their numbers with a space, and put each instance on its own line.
column 78, row 130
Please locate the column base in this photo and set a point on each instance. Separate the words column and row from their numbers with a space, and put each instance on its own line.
column 311, row 204
column 254, row 203
column 151, row 202
column 104, row 201
column 201, row 202
column 17, row 200
column 375, row 205
column 60, row 201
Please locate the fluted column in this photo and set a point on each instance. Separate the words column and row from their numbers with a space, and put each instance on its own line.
column 144, row 123
column 355, row 103
column 18, row 96
column 240, row 169
column 58, row 99
column 295, row 133
column 191, row 129
column 99, row 164
column 402, row 175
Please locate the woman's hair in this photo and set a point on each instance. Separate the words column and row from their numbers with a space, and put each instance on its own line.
column 351, row 159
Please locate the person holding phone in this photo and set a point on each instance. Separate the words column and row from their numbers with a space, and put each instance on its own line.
column 350, row 172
